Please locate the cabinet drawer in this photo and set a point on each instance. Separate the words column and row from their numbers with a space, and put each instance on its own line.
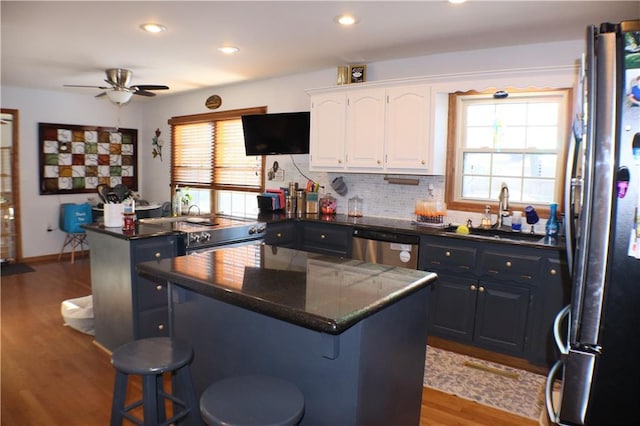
column 153, row 323
column 151, row 294
column 155, row 248
column 281, row 234
column 518, row 267
column 449, row 258
column 327, row 238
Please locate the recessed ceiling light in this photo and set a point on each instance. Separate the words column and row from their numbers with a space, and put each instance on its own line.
column 151, row 27
column 346, row 20
column 457, row 1
column 228, row 49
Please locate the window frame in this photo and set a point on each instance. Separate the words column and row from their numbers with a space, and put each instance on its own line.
column 212, row 117
column 453, row 176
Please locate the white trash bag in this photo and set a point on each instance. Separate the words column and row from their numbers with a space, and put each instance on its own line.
column 78, row 314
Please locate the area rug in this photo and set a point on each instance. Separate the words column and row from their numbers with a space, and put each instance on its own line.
column 15, row 268
column 505, row 388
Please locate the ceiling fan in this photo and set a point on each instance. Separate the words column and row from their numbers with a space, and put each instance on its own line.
column 119, row 91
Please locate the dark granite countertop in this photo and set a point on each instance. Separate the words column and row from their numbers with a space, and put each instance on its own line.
column 414, row 228
column 140, row 231
column 322, row 293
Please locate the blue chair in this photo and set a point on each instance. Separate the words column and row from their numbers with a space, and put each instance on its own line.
column 72, row 217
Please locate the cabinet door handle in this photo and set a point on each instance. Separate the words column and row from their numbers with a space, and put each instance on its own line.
column 526, row 277
column 159, row 287
column 279, row 235
column 322, row 236
column 378, row 161
column 447, row 253
column 422, row 162
column 473, row 287
column 157, row 255
column 508, row 263
column 481, row 289
column 160, row 327
column 339, row 161
column 553, row 271
column 465, row 267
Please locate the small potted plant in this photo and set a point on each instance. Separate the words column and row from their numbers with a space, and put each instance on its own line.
column 185, row 200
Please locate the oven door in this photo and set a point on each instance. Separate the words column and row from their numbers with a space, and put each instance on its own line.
column 213, row 247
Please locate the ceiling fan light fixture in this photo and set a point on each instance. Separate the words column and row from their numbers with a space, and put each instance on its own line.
column 152, row 27
column 119, row 96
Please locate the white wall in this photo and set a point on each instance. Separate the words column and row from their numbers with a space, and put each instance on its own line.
column 279, row 95
column 37, row 106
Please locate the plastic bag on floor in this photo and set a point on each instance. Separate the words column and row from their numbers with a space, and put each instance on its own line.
column 78, row 314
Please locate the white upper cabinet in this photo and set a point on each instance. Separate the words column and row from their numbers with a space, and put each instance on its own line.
column 408, row 122
column 365, row 129
column 372, row 130
column 327, row 138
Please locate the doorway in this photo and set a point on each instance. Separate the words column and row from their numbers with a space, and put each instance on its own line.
column 10, row 241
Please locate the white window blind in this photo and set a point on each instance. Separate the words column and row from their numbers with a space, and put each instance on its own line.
column 193, row 154
column 233, row 169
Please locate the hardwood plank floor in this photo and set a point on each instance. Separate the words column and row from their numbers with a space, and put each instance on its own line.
column 54, row 375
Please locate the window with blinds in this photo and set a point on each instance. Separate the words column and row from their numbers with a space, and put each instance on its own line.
column 208, row 157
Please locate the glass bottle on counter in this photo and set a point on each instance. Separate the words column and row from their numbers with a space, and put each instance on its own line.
column 177, row 203
column 552, row 224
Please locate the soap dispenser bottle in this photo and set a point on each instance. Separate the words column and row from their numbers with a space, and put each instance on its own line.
column 552, row 224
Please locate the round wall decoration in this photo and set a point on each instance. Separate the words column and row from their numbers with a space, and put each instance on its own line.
column 213, row 102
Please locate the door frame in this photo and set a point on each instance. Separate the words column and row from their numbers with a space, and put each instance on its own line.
column 15, row 178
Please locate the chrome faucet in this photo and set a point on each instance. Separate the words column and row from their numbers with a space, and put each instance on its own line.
column 503, row 205
column 192, row 206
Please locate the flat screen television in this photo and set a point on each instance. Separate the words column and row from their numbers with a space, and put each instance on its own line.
column 279, row 133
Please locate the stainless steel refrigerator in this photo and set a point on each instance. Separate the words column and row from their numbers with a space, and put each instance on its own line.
column 597, row 377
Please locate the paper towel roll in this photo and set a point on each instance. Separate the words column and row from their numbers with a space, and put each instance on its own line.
column 113, row 215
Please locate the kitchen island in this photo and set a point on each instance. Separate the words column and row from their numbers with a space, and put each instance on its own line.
column 351, row 335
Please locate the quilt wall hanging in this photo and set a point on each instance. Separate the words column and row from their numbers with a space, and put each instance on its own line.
column 76, row 159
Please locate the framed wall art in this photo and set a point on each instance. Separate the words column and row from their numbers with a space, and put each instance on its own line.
column 357, row 73
column 76, row 159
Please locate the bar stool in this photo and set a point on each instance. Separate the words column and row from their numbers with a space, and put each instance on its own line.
column 150, row 358
column 252, row 401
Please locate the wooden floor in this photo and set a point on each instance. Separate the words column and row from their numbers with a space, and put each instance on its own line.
column 54, row 375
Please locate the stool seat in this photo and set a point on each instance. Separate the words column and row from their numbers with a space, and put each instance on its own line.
column 254, row 400
column 151, row 358
column 155, row 355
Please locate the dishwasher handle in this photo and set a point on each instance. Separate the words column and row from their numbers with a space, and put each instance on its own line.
column 390, row 237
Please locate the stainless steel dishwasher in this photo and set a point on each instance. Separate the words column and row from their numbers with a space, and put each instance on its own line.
column 388, row 248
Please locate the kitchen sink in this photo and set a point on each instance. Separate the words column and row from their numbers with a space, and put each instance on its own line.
column 497, row 234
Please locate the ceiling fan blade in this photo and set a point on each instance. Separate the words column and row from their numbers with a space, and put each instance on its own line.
column 149, row 87
column 143, row 93
column 91, row 87
column 99, row 95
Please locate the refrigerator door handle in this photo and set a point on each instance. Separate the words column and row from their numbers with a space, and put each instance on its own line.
column 554, row 415
column 569, row 183
column 562, row 345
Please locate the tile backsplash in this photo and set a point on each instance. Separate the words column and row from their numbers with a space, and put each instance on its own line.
column 380, row 198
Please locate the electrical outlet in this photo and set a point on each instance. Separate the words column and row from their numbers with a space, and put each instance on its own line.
column 49, row 229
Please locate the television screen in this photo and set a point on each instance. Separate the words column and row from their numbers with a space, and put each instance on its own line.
column 281, row 133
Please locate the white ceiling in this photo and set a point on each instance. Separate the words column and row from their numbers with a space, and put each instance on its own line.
column 46, row 45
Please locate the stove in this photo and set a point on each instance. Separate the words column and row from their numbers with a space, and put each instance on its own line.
column 200, row 233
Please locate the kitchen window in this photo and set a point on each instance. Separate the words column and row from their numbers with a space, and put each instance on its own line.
column 208, row 162
column 518, row 139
